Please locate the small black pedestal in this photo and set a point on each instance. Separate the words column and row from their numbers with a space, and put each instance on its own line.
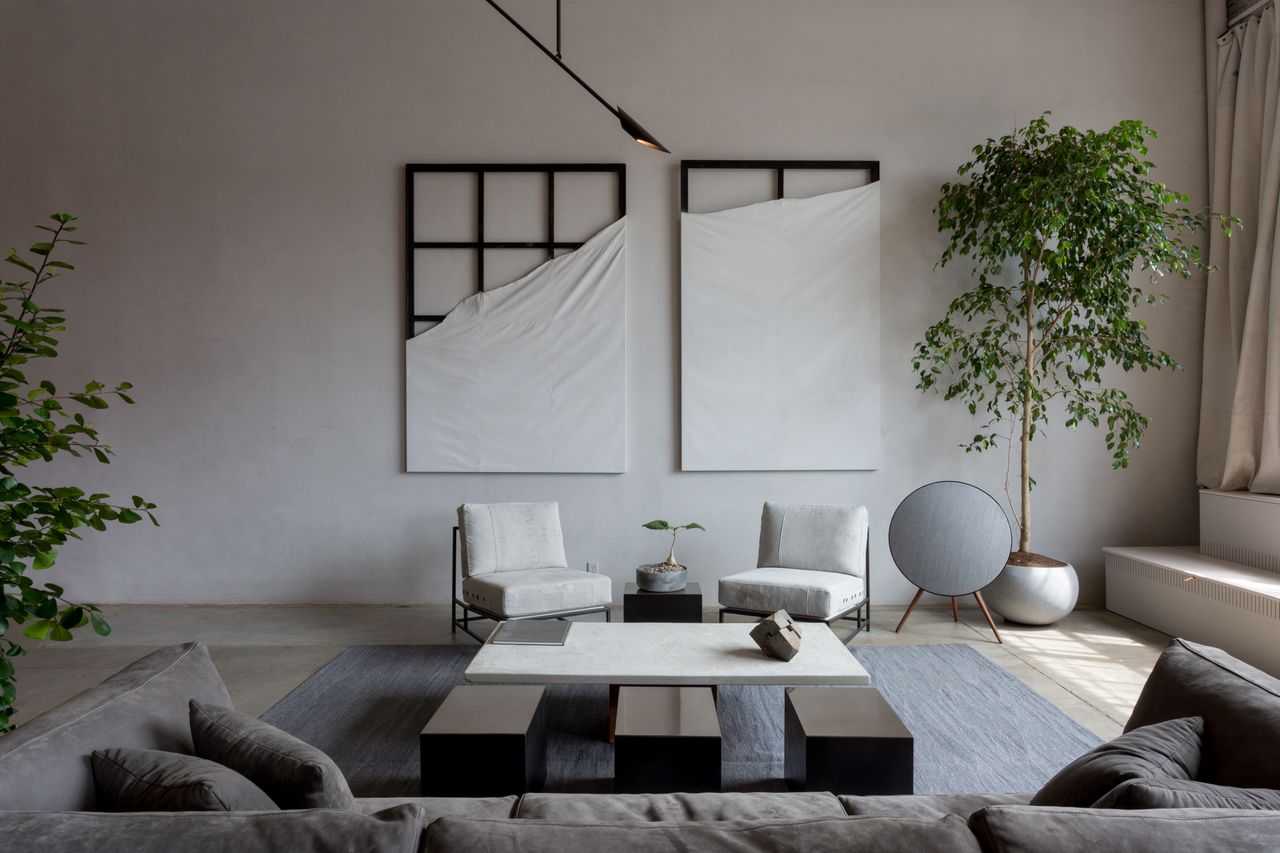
column 846, row 740
column 485, row 741
column 682, row 606
column 667, row 740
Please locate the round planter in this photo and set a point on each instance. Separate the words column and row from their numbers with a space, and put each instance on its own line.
column 653, row 581
column 1033, row 595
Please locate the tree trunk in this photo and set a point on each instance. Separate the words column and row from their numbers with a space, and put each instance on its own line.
column 671, row 555
column 1024, row 535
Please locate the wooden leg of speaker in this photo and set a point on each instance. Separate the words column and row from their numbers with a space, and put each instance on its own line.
column 955, row 610
column 987, row 613
column 910, row 607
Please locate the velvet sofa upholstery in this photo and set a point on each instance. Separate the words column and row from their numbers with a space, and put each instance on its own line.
column 145, row 706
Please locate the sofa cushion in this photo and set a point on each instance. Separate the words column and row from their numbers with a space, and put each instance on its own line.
column 882, row 834
column 44, row 763
column 679, row 807
column 434, row 807
column 1240, row 706
column 1168, row 750
column 816, row 537
column 1032, row 829
column 800, row 592
column 1186, row 794
column 537, row 591
column 150, row 780
column 396, row 830
column 928, row 805
column 510, row 537
column 294, row 774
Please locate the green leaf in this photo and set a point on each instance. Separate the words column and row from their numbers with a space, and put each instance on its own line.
column 73, row 618
column 38, row 630
column 100, row 626
column 657, row 524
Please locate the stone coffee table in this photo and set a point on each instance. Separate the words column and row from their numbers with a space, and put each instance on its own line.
column 695, row 654
column 680, row 654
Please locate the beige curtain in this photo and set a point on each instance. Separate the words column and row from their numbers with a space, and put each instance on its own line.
column 1239, row 445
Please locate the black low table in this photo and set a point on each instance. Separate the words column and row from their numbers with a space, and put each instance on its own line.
column 682, row 606
column 846, row 740
column 667, row 740
column 486, row 740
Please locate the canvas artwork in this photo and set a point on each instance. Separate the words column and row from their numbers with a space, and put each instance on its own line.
column 780, row 343
column 530, row 376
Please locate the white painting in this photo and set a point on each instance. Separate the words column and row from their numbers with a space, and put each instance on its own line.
column 530, row 376
column 780, row 340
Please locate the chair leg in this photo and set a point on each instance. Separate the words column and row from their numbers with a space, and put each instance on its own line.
column 987, row 613
column 721, row 615
column 910, row 607
column 955, row 610
column 608, row 614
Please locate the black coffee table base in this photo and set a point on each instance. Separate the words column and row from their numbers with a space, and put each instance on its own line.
column 846, row 740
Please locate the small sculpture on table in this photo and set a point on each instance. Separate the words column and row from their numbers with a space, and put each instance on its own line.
column 778, row 636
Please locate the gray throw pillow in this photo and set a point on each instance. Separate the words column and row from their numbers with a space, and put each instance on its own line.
column 151, row 780
column 1168, row 750
column 295, row 774
column 1187, row 794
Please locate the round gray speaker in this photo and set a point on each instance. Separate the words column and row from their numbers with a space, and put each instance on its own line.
column 950, row 538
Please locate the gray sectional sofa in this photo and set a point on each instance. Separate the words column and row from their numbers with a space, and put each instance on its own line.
column 47, row 798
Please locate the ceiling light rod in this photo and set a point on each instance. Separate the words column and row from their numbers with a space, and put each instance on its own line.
column 630, row 125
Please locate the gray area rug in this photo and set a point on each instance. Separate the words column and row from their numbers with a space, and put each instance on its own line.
column 977, row 729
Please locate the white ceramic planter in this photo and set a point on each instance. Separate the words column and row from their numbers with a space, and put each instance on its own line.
column 1033, row 595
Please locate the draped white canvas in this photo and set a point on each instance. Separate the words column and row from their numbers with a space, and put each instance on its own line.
column 530, row 376
column 1239, row 444
column 780, row 335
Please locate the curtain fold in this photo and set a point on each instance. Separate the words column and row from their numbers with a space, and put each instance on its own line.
column 1239, row 444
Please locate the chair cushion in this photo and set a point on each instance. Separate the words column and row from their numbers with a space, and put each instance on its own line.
column 44, row 763
column 815, row 537
column 294, row 774
column 152, row 780
column 1240, row 706
column 510, row 537
column 535, row 591
column 1168, row 750
column 818, row 595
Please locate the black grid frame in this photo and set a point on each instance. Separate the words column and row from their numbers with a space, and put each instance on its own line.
column 480, row 244
column 779, row 169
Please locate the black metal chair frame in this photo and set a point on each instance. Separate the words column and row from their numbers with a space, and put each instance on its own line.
column 472, row 613
column 861, row 612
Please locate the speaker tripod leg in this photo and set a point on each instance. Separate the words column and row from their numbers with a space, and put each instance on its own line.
column 910, row 607
column 987, row 613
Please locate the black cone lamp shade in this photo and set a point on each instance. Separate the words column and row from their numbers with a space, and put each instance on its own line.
column 638, row 133
column 630, row 125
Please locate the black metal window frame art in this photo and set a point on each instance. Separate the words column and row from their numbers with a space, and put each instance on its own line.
column 480, row 245
column 778, row 167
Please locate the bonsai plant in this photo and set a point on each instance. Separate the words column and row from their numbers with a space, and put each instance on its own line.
column 36, row 425
column 1054, row 224
column 667, row 576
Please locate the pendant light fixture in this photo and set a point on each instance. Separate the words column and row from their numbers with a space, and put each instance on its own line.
column 629, row 125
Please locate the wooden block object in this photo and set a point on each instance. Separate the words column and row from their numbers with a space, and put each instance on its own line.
column 485, row 741
column 683, row 605
column 778, row 635
column 846, row 740
column 667, row 740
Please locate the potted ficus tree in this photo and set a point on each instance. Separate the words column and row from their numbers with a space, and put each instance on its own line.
column 1054, row 224
column 669, row 575
column 38, row 422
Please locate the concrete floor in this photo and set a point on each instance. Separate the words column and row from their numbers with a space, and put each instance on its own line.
column 1091, row 665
